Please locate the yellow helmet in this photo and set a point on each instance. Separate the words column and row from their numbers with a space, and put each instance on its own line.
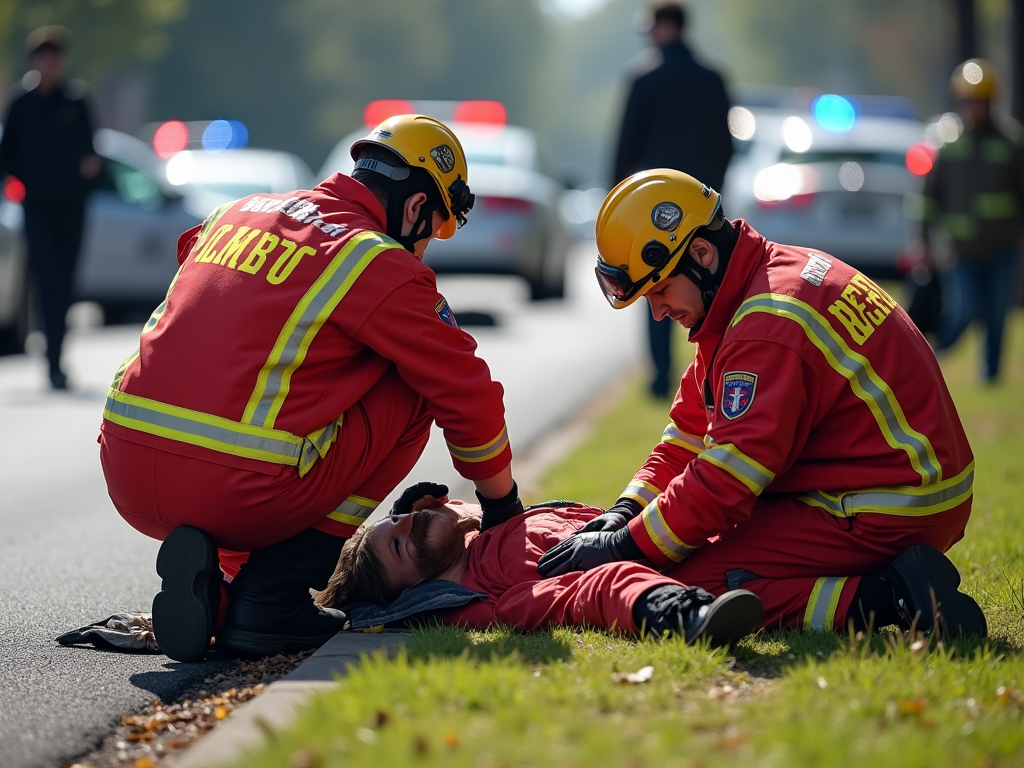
column 644, row 228
column 974, row 79
column 423, row 142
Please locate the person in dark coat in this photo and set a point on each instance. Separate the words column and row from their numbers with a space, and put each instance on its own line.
column 659, row 131
column 47, row 146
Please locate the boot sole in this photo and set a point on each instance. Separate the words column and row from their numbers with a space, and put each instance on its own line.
column 731, row 617
column 185, row 608
column 258, row 644
column 930, row 570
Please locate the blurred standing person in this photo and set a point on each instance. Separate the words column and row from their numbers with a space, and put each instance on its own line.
column 47, row 145
column 975, row 194
column 659, row 131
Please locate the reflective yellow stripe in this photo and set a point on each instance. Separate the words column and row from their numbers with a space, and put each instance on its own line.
column 821, row 605
column 306, row 319
column 202, row 429
column 316, row 444
column 484, row 452
column 675, row 436
column 865, row 383
column 640, row 491
column 730, row 458
column 906, row 501
column 674, row 548
column 354, row 510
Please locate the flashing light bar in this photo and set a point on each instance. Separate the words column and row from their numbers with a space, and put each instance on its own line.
column 834, row 113
column 476, row 112
column 920, row 158
column 174, row 136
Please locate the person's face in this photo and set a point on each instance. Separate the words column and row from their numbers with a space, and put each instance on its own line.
column 678, row 298
column 665, row 33
column 421, row 545
column 49, row 63
column 974, row 112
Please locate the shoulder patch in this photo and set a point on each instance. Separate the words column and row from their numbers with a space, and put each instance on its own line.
column 444, row 312
column 816, row 269
column 738, row 388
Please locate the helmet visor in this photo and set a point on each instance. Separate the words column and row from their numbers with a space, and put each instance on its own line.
column 616, row 285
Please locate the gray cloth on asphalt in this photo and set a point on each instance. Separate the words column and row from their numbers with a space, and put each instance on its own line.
column 126, row 632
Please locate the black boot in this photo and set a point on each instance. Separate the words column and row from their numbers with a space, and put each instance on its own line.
column 924, row 584
column 185, row 608
column 698, row 614
column 270, row 609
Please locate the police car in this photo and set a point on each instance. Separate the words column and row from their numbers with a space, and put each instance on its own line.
column 834, row 176
column 516, row 226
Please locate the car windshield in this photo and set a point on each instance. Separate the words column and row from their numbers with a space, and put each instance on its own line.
column 840, row 156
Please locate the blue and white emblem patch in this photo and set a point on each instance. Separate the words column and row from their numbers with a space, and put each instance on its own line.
column 445, row 313
column 738, row 389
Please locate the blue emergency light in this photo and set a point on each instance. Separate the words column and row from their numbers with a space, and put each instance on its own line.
column 834, row 113
column 220, row 135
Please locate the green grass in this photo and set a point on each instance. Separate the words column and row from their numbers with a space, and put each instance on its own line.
column 500, row 698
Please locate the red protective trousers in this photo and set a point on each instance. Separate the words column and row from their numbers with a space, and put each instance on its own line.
column 155, row 491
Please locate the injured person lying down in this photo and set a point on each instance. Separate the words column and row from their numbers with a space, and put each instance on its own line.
column 437, row 543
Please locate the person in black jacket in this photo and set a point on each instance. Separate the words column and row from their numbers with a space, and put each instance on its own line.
column 676, row 117
column 47, row 146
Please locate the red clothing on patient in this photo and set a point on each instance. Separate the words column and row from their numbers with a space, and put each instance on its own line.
column 503, row 564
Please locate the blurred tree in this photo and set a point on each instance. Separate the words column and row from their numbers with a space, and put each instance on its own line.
column 300, row 73
column 106, row 34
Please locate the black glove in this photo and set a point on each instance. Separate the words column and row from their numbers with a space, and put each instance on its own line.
column 670, row 608
column 497, row 511
column 617, row 516
column 583, row 551
column 403, row 504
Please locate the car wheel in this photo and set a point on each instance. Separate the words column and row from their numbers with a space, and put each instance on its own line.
column 538, row 289
column 12, row 337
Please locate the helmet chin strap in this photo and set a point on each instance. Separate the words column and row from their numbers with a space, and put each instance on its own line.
column 701, row 276
column 424, row 225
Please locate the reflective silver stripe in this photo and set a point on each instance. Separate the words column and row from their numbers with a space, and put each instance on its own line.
column 908, row 500
column 481, row 452
column 326, row 297
column 817, row 617
column 201, row 429
column 674, row 548
column 354, row 510
column 640, row 491
column 726, row 456
column 675, row 436
column 857, row 370
column 316, row 444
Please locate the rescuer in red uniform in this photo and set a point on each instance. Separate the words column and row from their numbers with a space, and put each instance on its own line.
column 288, row 383
column 814, row 455
column 498, row 568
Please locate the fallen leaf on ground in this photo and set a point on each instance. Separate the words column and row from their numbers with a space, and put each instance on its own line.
column 642, row 675
column 912, row 706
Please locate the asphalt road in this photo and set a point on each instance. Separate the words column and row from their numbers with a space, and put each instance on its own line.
column 67, row 558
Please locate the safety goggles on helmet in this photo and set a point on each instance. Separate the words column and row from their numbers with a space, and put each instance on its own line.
column 462, row 200
column 618, row 286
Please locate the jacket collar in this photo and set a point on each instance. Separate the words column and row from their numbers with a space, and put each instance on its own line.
column 348, row 190
column 750, row 252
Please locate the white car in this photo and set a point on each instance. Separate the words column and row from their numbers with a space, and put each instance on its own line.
column 129, row 254
column 516, row 226
column 835, row 181
column 210, row 179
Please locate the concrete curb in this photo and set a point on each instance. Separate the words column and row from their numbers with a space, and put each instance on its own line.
column 246, row 728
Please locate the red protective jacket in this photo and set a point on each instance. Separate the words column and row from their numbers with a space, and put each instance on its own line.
column 810, row 381
column 285, row 311
column 503, row 564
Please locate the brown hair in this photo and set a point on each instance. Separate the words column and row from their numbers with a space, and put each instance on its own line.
column 359, row 577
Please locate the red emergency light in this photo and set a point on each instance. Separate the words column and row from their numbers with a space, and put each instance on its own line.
column 486, row 112
column 170, row 138
column 377, row 112
column 14, row 190
column 920, row 159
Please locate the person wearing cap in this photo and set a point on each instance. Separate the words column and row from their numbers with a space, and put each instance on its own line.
column 813, row 454
column 288, row 383
column 47, row 146
column 974, row 199
column 658, row 131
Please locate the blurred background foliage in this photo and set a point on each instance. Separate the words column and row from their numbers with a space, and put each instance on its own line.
column 299, row 73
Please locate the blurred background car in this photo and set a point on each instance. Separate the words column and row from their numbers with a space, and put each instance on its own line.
column 516, row 226
column 833, row 176
column 210, row 179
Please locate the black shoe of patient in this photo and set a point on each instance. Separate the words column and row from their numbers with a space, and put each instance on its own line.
column 697, row 614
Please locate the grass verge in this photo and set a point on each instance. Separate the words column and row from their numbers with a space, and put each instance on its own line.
column 500, row 698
